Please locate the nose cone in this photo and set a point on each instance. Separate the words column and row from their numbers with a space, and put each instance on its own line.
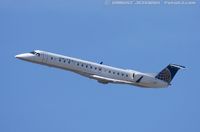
column 25, row 56
column 22, row 56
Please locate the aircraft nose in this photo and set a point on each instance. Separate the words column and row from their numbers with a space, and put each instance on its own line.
column 25, row 56
column 21, row 56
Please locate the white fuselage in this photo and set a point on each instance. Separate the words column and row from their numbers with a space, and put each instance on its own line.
column 100, row 72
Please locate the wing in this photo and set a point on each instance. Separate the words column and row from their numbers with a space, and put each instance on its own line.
column 106, row 80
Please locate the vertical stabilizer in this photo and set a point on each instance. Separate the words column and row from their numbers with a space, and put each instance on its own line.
column 169, row 72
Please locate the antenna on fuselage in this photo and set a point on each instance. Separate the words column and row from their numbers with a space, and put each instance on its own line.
column 101, row 62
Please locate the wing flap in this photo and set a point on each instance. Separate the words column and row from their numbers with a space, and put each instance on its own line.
column 108, row 80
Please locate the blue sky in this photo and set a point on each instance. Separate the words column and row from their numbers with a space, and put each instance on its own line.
column 145, row 38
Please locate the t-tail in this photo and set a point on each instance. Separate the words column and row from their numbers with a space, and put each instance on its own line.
column 169, row 72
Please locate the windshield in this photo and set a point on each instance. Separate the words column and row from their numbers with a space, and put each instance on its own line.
column 33, row 52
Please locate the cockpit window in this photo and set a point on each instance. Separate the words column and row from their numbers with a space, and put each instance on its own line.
column 35, row 53
column 38, row 54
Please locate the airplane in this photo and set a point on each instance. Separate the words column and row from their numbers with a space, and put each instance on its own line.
column 103, row 73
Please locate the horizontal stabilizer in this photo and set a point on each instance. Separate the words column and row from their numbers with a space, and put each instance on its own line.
column 178, row 66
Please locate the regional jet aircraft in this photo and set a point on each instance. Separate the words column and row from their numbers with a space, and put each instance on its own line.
column 103, row 73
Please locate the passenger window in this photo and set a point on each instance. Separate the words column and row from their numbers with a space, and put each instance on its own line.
column 118, row 73
column 77, row 64
column 51, row 58
column 126, row 75
column 90, row 67
column 109, row 71
column 86, row 66
column 113, row 72
column 82, row 65
column 95, row 68
column 122, row 74
column 133, row 75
